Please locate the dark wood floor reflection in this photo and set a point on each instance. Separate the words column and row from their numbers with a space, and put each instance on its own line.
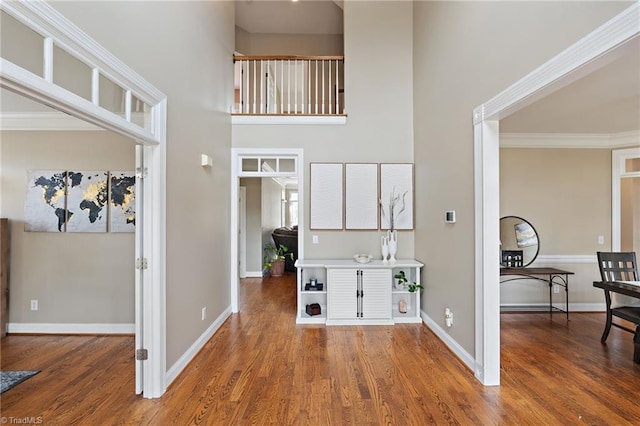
column 262, row 368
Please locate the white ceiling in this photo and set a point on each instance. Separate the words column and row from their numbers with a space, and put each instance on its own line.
column 289, row 17
column 604, row 102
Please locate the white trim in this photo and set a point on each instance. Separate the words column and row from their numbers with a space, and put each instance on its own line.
column 49, row 121
column 593, row 51
column 573, row 307
column 55, row 328
column 289, row 119
column 236, row 154
column 42, row 18
column 254, row 274
column 196, row 347
column 458, row 350
column 618, row 158
column 570, row 140
column 557, row 259
column 44, row 121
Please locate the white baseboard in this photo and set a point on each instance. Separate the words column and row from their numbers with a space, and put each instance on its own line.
column 186, row 358
column 35, row 328
column 254, row 274
column 458, row 350
column 573, row 307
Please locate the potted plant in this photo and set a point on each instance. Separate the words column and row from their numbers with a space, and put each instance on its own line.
column 274, row 258
column 414, row 287
column 401, row 280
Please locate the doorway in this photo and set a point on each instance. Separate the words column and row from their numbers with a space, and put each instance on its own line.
column 48, row 28
column 264, row 163
column 625, row 200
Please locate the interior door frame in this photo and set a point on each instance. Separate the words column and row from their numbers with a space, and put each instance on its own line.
column 236, row 158
column 598, row 48
column 151, row 159
column 618, row 159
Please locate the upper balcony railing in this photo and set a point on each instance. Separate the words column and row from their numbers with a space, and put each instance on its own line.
column 289, row 85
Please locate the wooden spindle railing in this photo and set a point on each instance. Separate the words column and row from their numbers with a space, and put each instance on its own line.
column 289, row 85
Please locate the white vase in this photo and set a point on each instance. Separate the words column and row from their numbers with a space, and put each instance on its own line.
column 402, row 306
column 384, row 245
column 393, row 245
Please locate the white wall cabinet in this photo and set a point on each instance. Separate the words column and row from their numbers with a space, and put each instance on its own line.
column 353, row 293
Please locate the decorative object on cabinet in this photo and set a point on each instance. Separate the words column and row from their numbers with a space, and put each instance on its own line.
column 384, row 247
column 362, row 258
column 274, row 258
column 415, row 287
column 326, row 200
column 401, row 281
column 361, row 196
column 396, row 196
column 392, row 236
column 313, row 309
column 402, row 306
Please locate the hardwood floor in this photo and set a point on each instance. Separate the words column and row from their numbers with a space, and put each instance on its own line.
column 262, row 368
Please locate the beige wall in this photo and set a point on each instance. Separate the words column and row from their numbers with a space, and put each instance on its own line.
column 288, row 44
column 566, row 195
column 378, row 52
column 465, row 53
column 77, row 278
column 254, row 221
column 184, row 49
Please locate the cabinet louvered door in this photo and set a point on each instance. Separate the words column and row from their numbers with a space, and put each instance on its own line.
column 341, row 294
column 376, row 294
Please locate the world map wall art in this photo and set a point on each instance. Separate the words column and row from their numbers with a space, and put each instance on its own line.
column 83, row 201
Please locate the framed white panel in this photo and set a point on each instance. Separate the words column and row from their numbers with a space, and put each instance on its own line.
column 326, row 199
column 361, row 196
column 396, row 196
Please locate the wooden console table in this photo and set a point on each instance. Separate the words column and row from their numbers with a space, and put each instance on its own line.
column 550, row 276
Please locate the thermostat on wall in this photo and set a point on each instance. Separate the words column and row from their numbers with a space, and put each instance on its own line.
column 450, row 216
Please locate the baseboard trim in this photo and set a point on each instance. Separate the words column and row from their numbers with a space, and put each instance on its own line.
column 254, row 274
column 454, row 346
column 573, row 307
column 186, row 358
column 45, row 328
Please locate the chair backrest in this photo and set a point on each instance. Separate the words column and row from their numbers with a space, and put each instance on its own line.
column 618, row 266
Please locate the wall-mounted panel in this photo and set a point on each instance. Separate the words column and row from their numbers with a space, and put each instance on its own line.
column 326, row 199
column 361, row 196
column 396, row 196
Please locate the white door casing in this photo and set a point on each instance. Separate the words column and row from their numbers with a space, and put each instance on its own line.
column 590, row 53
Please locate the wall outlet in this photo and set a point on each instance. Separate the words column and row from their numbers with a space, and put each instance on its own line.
column 600, row 239
column 204, row 314
column 556, row 288
column 34, row 305
column 315, row 239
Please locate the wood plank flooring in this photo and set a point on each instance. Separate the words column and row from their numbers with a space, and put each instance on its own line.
column 262, row 368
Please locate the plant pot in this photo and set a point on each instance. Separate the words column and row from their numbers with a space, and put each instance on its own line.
column 277, row 268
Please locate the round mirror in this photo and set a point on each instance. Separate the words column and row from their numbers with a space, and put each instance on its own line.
column 519, row 244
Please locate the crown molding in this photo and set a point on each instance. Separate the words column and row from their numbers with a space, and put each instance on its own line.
column 570, row 140
column 44, row 121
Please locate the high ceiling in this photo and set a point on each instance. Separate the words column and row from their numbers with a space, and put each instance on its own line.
column 604, row 102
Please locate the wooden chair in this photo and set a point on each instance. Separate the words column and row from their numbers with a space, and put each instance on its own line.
column 619, row 266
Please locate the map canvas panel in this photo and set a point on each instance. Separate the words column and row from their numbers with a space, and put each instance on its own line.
column 122, row 202
column 87, row 201
column 45, row 199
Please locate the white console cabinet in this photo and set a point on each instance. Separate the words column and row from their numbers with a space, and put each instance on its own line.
column 353, row 293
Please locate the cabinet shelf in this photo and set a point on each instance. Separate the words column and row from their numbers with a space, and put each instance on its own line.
column 378, row 304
